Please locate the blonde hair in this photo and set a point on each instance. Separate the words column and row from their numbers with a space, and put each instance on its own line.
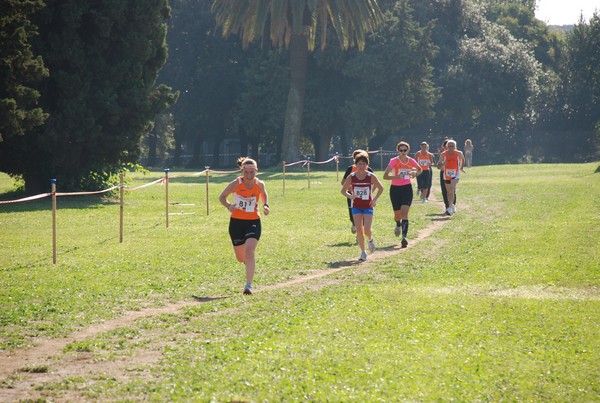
column 468, row 142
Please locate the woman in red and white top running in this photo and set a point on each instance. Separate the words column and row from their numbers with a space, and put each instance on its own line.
column 400, row 171
column 451, row 162
column 244, row 224
column 363, row 189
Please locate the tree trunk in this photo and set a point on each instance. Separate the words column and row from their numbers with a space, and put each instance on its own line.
column 152, row 140
column 322, row 148
column 290, row 145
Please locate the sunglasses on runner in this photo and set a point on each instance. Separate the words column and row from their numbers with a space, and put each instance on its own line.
column 403, row 150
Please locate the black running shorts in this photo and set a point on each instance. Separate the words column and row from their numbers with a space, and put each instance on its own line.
column 401, row 196
column 240, row 230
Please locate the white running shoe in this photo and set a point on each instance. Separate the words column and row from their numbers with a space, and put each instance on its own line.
column 397, row 231
column 371, row 245
column 363, row 256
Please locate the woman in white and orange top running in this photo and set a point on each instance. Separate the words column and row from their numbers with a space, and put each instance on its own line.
column 363, row 189
column 400, row 171
column 244, row 224
column 426, row 161
column 451, row 162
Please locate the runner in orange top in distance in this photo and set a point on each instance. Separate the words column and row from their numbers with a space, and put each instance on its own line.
column 426, row 161
column 451, row 162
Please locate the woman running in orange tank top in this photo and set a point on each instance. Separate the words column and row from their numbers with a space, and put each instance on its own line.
column 451, row 163
column 244, row 223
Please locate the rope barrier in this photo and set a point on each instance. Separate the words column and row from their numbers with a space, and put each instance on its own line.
column 26, row 199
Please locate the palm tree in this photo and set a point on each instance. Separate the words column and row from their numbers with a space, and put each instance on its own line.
column 293, row 24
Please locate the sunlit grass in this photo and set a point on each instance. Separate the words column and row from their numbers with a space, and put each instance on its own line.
column 501, row 303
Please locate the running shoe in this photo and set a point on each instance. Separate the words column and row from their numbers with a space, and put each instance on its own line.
column 248, row 290
column 397, row 231
column 371, row 245
column 353, row 229
column 404, row 243
column 363, row 256
column 448, row 211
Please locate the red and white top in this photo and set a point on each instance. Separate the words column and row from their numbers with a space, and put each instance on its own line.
column 363, row 190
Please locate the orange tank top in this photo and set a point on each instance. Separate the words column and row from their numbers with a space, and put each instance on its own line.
column 452, row 167
column 424, row 159
column 246, row 201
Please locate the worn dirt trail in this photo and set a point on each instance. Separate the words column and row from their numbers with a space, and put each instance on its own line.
column 17, row 383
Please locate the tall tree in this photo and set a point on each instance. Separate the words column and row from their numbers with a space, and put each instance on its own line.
column 103, row 57
column 294, row 25
column 581, row 75
column 20, row 70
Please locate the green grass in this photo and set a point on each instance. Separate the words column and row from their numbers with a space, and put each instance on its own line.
column 501, row 303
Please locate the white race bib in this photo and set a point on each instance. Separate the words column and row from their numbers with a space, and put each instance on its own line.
column 451, row 173
column 424, row 163
column 244, row 203
column 362, row 192
column 405, row 174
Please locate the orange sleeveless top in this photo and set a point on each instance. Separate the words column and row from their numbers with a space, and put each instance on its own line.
column 246, row 201
column 424, row 160
column 452, row 167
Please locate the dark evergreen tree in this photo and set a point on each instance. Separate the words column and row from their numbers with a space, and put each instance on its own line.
column 20, row 70
column 103, row 57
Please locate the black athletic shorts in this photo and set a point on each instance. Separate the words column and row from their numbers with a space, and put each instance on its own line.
column 401, row 196
column 424, row 180
column 240, row 230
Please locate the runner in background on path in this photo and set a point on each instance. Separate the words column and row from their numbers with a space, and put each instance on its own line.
column 451, row 162
column 426, row 160
column 400, row 171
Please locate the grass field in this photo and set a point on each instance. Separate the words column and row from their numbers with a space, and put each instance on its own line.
column 499, row 303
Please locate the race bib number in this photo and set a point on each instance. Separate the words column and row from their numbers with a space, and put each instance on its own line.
column 405, row 174
column 451, row 173
column 424, row 163
column 245, row 203
column 362, row 193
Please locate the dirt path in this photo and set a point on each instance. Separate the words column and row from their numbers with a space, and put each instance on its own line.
column 18, row 369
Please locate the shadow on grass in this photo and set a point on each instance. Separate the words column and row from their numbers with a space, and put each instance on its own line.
column 60, row 253
column 208, row 299
column 439, row 217
column 341, row 244
column 342, row 263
